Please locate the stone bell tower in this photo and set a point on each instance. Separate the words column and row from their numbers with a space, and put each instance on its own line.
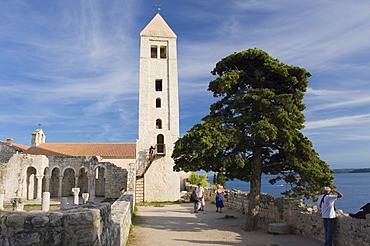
column 158, row 113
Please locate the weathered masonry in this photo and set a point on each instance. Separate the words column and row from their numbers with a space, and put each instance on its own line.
column 27, row 173
column 303, row 219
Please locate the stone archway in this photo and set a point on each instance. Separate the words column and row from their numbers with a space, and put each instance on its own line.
column 54, row 182
column 83, row 181
column 31, row 183
column 68, row 182
column 100, row 181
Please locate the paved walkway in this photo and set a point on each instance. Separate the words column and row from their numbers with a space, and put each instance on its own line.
column 179, row 225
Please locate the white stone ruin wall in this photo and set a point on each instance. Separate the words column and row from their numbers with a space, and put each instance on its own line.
column 13, row 172
column 14, row 166
column 70, row 169
column 113, row 179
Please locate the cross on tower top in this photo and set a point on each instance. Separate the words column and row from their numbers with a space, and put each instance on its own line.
column 158, row 5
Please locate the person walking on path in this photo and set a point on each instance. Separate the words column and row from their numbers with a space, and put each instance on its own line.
column 219, row 198
column 201, row 201
column 194, row 199
column 327, row 205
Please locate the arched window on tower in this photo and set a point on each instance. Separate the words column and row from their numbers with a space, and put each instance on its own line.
column 160, row 144
column 158, row 103
column 158, row 124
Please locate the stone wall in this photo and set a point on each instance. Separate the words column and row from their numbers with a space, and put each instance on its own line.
column 304, row 219
column 116, row 180
column 122, row 213
column 6, row 153
column 87, row 224
column 13, row 172
column 27, row 176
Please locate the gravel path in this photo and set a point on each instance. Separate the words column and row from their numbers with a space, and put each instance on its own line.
column 179, row 225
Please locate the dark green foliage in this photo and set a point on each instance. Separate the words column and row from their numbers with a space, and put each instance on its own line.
column 255, row 127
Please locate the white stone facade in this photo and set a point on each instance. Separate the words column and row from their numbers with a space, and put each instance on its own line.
column 158, row 110
column 28, row 176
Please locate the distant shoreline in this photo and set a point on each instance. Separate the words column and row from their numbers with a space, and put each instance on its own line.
column 355, row 170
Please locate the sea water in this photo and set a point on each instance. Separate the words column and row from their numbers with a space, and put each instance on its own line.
column 354, row 186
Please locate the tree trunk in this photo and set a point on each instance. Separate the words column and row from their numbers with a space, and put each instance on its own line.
column 254, row 194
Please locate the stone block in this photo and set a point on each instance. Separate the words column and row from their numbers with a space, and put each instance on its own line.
column 279, row 228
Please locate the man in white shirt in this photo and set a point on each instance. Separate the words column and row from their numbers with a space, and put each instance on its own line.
column 201, row 201
column 326, row 203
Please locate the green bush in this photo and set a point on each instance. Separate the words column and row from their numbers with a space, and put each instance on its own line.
column 199, row 179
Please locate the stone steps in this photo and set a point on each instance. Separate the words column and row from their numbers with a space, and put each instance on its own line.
column 139, row 190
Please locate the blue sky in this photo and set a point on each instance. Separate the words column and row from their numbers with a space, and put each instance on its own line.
column 72, row 66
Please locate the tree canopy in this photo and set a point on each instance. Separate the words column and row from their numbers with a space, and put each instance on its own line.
column 254, row 127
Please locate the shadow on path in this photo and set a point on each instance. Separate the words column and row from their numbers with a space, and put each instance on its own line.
column 178, row 225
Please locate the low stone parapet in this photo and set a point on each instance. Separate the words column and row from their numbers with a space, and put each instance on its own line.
column 279, row 228
column 303, row 219
column 87, row 224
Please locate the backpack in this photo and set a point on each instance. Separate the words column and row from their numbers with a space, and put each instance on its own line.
column 322, row 200
column 193, row 197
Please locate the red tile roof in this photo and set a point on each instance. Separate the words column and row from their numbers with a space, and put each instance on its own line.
column 127, row 150
column 18, row 147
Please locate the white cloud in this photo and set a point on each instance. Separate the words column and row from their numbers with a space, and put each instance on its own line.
column 63, row 60
column 340, row 121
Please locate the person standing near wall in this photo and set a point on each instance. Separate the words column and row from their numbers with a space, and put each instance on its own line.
column 327, row 205
column 201, row 201
column 219, row 198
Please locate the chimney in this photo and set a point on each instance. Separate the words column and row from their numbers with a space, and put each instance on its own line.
column 9, row 141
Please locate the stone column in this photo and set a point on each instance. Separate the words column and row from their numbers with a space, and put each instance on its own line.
column 60, row 186
column 47, row 183
column 45, row 204
column 76, row 181
column 63, row 202
column 75, row 191
column 30, row 187
column 2, row 194
column 39, row 187
column 85, row 197
column 91, row 189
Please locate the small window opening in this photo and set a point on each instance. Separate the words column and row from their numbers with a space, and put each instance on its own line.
column 158, row 124
column 158, row 85
column 158, row 103
column 160, row 144
column 153, row 51
column 163, row 52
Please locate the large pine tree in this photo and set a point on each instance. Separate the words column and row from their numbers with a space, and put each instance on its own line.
column 255, row 127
